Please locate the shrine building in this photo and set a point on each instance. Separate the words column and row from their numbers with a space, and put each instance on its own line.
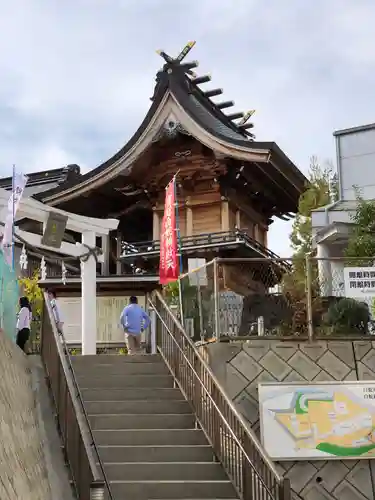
column 230, row 186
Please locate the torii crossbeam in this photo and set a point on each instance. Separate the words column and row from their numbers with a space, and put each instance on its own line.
column 89, row 228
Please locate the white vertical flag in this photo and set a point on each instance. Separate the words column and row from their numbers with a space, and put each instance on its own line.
column 19, row 183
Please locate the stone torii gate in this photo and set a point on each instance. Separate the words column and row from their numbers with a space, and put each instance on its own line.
column 89, row 228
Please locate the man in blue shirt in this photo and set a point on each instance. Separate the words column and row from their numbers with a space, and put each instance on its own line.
column 134, row 320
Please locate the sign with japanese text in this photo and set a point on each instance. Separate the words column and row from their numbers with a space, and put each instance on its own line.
column 55, row 229
column 359, row 282
column 168, row 269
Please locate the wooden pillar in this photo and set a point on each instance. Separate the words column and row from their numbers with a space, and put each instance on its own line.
column 224, row 214
column 155, row 224
column 256, row 233
column 118, row 252
column 238, row 219
column 105, row 249
column 265, row 243
column 189, row 218
column 88, row 303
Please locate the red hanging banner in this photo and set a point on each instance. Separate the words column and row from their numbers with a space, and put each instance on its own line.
column 168, row 270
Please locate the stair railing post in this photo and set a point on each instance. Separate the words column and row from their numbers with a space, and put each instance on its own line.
column 216, row 431
column 197, row 387
column 153, row 331
column 249, row 491
column 285, row 492
column 216, row 299
column 158, row 325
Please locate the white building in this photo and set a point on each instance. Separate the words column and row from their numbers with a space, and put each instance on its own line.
column 331, row 225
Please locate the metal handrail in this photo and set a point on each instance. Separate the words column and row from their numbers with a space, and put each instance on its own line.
column 213, row 377
column 183, row 238
column 246, row 433
column 85, row 426
column 189, row 241
column 239, row 444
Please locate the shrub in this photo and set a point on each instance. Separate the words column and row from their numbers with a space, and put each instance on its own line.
column 29, row 287
column 347, row 316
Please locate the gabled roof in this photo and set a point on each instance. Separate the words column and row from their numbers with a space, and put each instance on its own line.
column 178, row 99
column 45, row 180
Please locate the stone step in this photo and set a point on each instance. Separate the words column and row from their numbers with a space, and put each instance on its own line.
column 131, row 394
column 150, row 437
column 152, row 453
column 146, row 431
column 176, row 490
column 177, row 421
column 119, row 382
column 97, row 359
column 137, row 407
column 124, row 369
column 165, row 471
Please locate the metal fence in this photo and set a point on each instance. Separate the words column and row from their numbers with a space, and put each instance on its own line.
column 252, row 473
column 278, row 297
column 240, row 297
column 77, row 438
column 198, row 301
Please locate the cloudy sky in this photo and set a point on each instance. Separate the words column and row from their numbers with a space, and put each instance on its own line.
column 76, row 75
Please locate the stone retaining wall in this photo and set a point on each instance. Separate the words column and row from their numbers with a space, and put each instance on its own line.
column 241, row 366
column 23, row 474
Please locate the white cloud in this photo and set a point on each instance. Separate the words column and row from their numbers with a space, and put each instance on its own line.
column 49, row 156
column 77, row 75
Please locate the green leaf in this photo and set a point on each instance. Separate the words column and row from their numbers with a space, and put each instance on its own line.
column 322, row 190
column 31, row 289
column 362, row 237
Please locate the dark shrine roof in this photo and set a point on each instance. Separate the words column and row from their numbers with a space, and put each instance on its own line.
column 174, row 78
column 45, row 180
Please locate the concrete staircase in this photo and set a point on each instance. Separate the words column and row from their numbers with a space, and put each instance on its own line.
column 146, row 432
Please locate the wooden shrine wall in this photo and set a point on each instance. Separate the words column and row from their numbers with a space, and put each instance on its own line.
column 108, row 311
column 247, row 224
column 232, row 217
column 206, row 219
column 241, row 283
column 254, row 226
column 181, row 221
column 198, row 214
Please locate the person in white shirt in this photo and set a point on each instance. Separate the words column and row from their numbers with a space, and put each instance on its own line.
column 23, row 323
column 56, row 310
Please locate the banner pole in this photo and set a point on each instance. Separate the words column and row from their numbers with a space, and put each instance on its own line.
column 13, row 213
column 178, row 224
column 179, row 246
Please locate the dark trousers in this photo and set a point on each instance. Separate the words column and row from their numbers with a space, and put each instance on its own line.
column 22, row 337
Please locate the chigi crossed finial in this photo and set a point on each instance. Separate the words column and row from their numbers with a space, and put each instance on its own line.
column 243, row 125
column 181, row 56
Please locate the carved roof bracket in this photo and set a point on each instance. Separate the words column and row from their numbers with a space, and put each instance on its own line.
column 170, row 129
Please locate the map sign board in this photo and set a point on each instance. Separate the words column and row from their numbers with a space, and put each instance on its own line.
column 332, row 420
